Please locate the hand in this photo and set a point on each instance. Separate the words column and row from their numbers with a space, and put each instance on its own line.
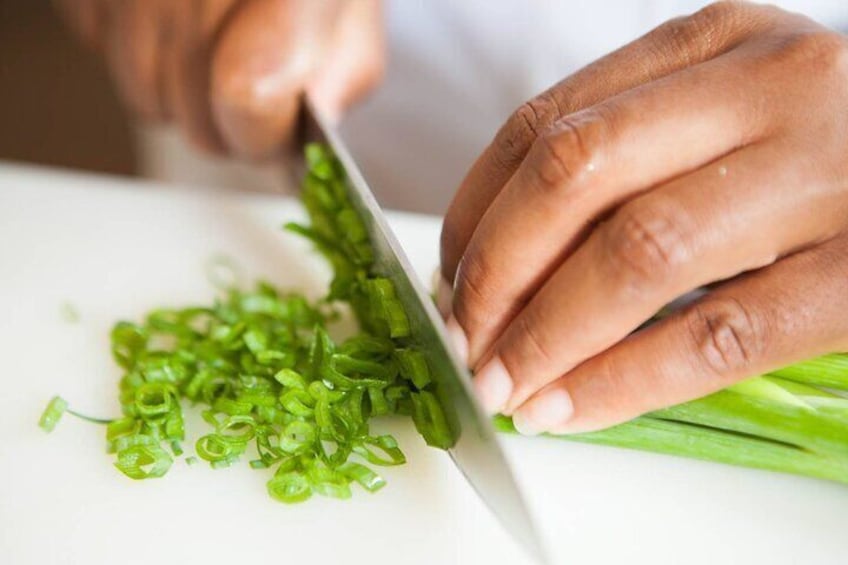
column 231, row 73
column 712, row 150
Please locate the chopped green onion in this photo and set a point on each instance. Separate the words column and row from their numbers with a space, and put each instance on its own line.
column 429, row 418
column 289, row 487
column 328, row 482
column 413, row 367
column 222, row 271
column 237, row 429
column 370, row 481
column 52, row 413
column 298, row 437
column 143, row 461
column 69, row 313
column 371, row 448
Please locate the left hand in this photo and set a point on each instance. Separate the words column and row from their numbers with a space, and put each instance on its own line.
column 231, row 74
column 714, row 150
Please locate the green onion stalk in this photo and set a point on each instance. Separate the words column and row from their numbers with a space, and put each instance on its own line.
column 786, row 421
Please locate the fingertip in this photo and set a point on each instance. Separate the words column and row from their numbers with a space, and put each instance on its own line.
column 549, row 411
column 458, row 339
column 524, row 426
column 493, row 385
column 444, row 294
column 254, row 114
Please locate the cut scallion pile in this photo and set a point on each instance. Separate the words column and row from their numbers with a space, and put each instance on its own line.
column 274, row 387
column 781, row 422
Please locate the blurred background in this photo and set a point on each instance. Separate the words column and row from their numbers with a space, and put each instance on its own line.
column 58, row 106
column 455, row 71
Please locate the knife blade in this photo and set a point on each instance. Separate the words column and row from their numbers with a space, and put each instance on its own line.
column 476, row 451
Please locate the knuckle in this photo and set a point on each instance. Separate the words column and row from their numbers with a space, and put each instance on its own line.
column 568, row 150
column 612, row 380
column 726, row 335
column 645, row 246
column 450, row 241
column 683, row 36
column 532, row 341
column 474, row 290
column 516, row 135
column 519, row 132
column 696, row 36
column 721, row 11
column 820, row 50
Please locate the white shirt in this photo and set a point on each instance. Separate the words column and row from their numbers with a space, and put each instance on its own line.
column 457, row 69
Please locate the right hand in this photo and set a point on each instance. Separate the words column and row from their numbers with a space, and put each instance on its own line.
column 231, row 73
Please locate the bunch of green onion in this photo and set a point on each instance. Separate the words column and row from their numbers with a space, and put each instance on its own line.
column 793, row 420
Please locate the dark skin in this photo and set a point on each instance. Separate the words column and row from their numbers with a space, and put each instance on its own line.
column 231, row 73
column 712, row 151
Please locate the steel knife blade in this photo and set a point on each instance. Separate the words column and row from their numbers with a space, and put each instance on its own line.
column 476, row 451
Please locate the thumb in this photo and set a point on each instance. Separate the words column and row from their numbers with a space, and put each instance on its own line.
column 264, row 57
column 355, row 61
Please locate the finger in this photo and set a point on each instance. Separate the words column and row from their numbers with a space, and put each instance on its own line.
column 195, row 27
column 87, row 18
column 265, row 56
column 132, row 52
column 719, row 221
column 790, row 311
column 583, row 166
column 356, row 60
column 672, row 46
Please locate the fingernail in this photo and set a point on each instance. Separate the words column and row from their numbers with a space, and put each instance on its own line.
column 457, row 337
column 544, row 413
column 493, row 385
column 444, row 296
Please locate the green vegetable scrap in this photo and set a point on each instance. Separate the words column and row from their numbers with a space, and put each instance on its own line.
column 69, row 313
column 52, row 413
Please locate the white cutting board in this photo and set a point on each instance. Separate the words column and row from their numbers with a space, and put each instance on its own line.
column 115, row 248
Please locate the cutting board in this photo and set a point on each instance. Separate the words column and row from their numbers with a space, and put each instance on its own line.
column 115, row 248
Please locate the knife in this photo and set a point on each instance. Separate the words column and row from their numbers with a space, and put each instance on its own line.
column 475, row 451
